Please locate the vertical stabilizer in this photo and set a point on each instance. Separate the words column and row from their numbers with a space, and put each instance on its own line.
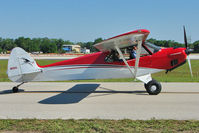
column 21, row 66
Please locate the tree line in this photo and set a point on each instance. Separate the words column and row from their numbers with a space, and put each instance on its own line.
column 44, row 45
column 47, row 45
column 171, row 43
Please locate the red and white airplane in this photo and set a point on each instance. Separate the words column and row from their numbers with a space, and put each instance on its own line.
column 110, row 62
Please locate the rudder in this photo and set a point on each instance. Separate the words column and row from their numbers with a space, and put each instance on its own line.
column 21, row 66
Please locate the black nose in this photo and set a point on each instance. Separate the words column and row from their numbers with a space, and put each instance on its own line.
column 188, row 51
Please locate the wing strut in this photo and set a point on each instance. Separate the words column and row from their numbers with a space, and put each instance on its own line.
column 121, row 55
column 138, row 51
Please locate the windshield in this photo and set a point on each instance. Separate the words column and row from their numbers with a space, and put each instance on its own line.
column 153, row 48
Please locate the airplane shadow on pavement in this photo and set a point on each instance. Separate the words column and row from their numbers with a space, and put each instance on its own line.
column 73, row 95
column 81, row 91
column 9, row 92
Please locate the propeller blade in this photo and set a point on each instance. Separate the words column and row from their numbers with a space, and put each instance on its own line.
column 189, row 62
column 185, row 38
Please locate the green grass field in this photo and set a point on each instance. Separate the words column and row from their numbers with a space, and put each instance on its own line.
column 101, row 126
column 181, row 74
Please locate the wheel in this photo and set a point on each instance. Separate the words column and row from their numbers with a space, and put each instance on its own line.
column 145, row 85
column 153, row 87
column 15, row 89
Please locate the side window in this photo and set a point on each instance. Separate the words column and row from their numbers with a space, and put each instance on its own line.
column 112, row 56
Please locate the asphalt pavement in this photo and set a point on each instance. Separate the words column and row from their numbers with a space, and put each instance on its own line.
column 80, row 100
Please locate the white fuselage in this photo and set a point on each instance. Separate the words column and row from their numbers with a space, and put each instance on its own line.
column 83, row 72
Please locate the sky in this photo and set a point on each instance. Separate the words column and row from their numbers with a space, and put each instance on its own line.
column 86, row 20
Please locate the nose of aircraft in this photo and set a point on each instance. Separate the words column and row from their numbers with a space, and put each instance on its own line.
column 188, row 51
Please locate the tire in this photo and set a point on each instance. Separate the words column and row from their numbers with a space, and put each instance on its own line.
column 145, row 86
column 15, row 89
column 153, row 87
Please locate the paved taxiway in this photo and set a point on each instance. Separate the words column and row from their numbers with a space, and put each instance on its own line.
column 50, row 100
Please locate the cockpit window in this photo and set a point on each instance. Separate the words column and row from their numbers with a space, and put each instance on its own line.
column 146, row 49
column 153, row 48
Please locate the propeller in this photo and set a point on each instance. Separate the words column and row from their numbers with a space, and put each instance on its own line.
column 189, row 62
column 188, row 51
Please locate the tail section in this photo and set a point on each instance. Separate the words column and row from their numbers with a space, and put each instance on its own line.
column 21, row 66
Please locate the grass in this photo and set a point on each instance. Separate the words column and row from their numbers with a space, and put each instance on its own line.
column 181, row 74
column 96, row 125
column 3, row 70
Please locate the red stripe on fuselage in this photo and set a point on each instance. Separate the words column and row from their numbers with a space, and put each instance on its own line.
column 91, row 67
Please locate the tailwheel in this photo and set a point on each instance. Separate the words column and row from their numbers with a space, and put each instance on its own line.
column 15, row 89
column 153, row 87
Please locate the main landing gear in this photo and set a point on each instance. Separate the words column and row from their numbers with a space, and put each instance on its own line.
column 16, row 88
column 153, row 87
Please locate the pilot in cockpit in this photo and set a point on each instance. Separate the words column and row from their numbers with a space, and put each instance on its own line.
column 133, row 52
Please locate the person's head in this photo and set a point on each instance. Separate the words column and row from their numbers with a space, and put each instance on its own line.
column 134, row 47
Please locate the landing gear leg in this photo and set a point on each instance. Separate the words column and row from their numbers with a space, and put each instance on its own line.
column 16, row 88
column 153, row 87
